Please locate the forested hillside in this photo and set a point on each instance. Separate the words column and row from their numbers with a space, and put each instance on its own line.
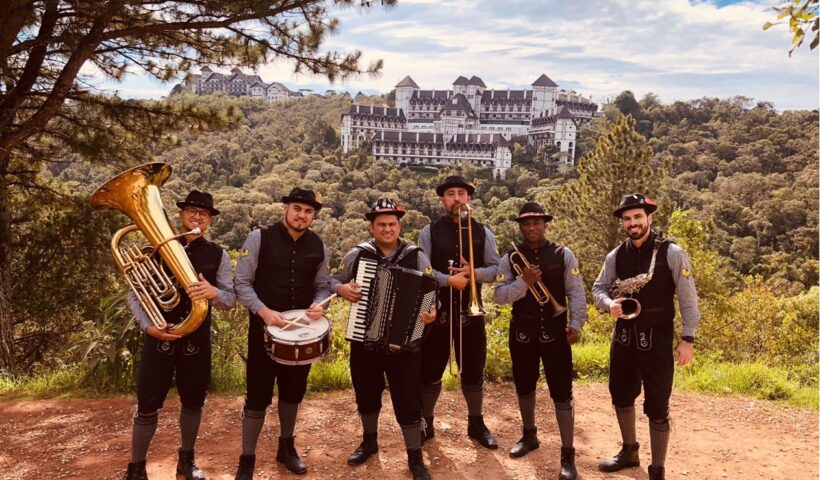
column 737, row 183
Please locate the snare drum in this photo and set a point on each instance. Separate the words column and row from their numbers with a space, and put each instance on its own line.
column 300, row 344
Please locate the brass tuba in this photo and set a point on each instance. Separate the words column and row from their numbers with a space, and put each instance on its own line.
column 538, row 289
column 135, row 192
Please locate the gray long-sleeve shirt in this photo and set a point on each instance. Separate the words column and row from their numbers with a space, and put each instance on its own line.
column 345, row 272
column 511, row 289
column 682, row 275
column 246, row 273
column 225, row 297
column 485, row 274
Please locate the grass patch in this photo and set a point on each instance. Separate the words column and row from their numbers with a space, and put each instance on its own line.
column 750, row 379
column 64, row 383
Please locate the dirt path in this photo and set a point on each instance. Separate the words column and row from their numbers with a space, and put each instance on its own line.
column 713, row 438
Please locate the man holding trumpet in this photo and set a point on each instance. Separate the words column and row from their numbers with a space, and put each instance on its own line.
column 547, row 275
column 637, row 285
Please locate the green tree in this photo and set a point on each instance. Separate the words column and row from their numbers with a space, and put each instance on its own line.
column 48, row 109
column 583, row 207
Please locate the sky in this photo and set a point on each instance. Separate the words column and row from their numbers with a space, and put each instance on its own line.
column 676, row 49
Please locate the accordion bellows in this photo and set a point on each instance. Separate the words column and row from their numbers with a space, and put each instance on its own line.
column 389, row 313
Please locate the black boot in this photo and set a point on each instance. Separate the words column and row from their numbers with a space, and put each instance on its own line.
column 476, row 429
column 656, row 473
column 415, row 462
column 568, row 471
column 288, row 456
column 246, row 466
column 136, row 471
column 528, row 443
column 186, row 468
column 427, row 431
column 627, row 457
column 368, row 447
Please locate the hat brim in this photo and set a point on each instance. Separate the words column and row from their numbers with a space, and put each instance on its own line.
column 444, row 186
column 649, row 208
column 312, row 203
column 547, row 217
column 214, row 212
column 372, row 215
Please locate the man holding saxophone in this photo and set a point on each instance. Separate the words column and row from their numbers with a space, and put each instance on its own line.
column 164, row 353
column 451, row 242
column 547, row 276
column 637, row 285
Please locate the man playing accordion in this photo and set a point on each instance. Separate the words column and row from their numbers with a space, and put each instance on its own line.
column 369, row 361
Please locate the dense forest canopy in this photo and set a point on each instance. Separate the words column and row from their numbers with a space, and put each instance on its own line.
column 743, row 176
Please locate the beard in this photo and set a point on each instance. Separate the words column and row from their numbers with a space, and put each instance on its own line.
column 639, row 233
column 295, row 227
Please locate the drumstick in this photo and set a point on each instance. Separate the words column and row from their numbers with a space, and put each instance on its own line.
column 285, row 327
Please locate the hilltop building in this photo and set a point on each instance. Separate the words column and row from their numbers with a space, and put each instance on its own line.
column 468, row 123
column 235, row 84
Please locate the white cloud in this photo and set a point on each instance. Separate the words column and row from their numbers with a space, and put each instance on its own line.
column 675, row 48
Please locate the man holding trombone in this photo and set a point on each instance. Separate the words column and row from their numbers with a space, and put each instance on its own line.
column 463, row 255
column 546, row 275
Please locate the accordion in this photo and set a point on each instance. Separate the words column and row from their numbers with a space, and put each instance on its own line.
column 389, row 312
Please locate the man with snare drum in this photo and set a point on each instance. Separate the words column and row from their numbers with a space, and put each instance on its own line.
column 282, row 267
column 370, row 363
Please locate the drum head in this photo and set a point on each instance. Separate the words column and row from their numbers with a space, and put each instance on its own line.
column 303, row 331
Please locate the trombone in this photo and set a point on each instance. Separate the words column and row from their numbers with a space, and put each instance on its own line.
column 538, row 289
column 474, row 309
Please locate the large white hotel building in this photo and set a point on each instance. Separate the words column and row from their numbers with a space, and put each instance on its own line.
column 469, row 123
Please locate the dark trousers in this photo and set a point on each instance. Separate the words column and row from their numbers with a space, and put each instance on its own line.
column 188, row 357
column 642, row 355
column 368, row 368
column 262, row 373
column 533, row 343
column 435, row 352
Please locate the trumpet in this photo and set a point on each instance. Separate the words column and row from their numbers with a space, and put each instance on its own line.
column 538, row 289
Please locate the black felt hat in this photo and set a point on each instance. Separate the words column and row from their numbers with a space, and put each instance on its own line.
column 200, row 200
column 455, row 181
column 635, row 200
column 301, row 195
column 385, row 206
column 532, row 210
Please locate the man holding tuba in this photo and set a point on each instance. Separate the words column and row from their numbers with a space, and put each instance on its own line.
column 547, row 275
column 282, row 266
column 452, row 242
column 164, row 353
column 649, row 269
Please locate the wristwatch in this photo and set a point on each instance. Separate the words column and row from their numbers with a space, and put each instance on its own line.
column 688, row 338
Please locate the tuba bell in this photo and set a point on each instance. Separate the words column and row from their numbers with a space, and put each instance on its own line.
column 135, row 192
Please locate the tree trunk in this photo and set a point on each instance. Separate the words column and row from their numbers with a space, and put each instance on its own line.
column 7, row 360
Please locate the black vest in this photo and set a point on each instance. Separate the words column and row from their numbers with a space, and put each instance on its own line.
column 205, row 257
column 286, row 268
column 550, row 258
column 405, row 256
column 444, row 245
column 657, row 298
